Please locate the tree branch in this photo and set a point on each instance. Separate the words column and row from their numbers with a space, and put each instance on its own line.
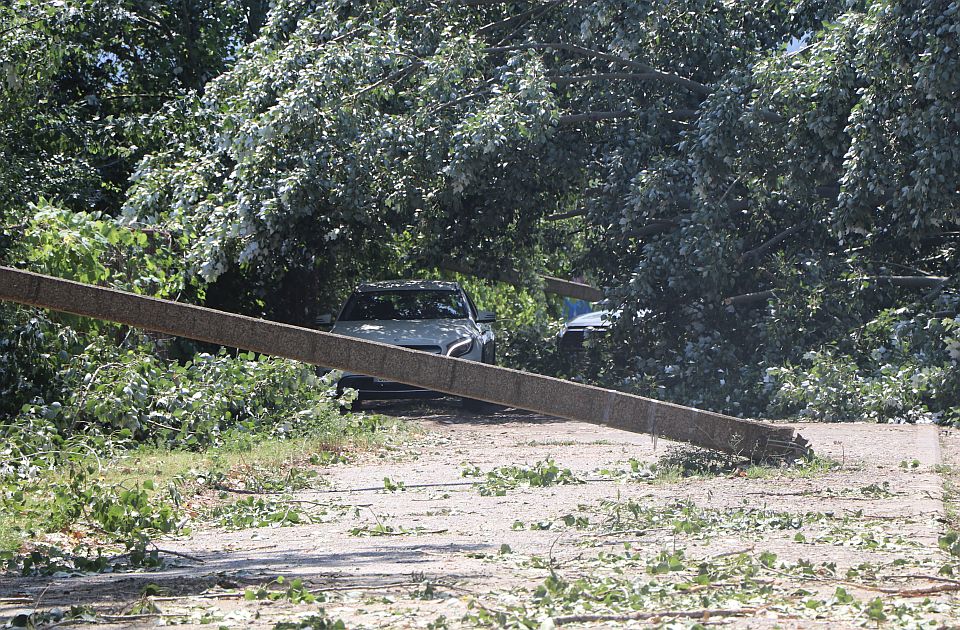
column 116, row 96
column 907, row 282
column 773, row 242
column 393, row 76
column 566, row 215
column 666, row 77
column 665, row 614
column 604, row 76
column 829, row 191
column 573, row 119
column 513, row 18
column 910, row 282
column 748, row 299
column 21, row 25
column 566, row 288
column 657, row 226
column 457, row 101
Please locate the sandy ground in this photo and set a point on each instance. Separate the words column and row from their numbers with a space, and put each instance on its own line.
column 448, row 535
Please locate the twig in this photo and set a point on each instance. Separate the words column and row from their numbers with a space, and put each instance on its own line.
column 140, row 616
column 408, row 532
column 628, row 531
column 328, row 589
column 393, row 76
column 229, row 595
column 909, row 592
column 933, row 578
column 180, row 555
column 732, row 553
column 224, row 488
column 704, row 614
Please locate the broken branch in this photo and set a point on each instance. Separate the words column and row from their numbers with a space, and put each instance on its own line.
column 706, row 613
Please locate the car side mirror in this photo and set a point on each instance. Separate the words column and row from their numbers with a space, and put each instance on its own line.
column 324, row 320
column 486, row 317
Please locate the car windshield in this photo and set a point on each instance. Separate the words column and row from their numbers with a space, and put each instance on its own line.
column 426, row 304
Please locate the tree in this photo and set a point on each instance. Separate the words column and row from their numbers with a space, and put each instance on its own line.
column 78, row 77
column 746, row 203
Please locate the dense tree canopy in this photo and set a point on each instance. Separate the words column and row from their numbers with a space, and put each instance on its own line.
column 79, row 79
column 768, row 190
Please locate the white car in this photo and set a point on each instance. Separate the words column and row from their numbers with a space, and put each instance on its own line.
column 430, row 316
column 581, row 328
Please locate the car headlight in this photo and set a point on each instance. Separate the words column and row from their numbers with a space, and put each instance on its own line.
column 460, row 347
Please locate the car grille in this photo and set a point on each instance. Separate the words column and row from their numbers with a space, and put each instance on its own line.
column 423, row 348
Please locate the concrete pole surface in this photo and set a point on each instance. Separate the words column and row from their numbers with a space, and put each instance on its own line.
column 523, row 390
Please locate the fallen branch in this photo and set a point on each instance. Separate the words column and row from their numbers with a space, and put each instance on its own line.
column 408, row 532
column 738, row 552
column 932, row 578
column 179, row 554
column 233, row 490
column 140, row 616
column 622, row 532
column 910, row 592
column 703, row 614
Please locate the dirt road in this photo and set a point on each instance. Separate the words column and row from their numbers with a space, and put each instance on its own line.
column 452, row 530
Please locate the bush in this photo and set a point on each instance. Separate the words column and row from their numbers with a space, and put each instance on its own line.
column 110, row 397
column 902, row 367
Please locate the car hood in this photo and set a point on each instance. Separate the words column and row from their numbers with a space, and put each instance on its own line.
column 408, row 332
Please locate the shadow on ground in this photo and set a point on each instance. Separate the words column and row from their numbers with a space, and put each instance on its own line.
column 450, row 411
column 114, row 593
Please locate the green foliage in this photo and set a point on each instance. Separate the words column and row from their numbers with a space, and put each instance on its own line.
column 130, row 515
column 79, row 78
column 903, row 368
column 133, row 394
column 393, row 485
column 318, row 621
column 540, row 475
column 256, row 512
column 33, row 352
column 92, row 248
column 295, row 592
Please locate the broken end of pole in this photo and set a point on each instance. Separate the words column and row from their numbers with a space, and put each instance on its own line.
column 789, row 450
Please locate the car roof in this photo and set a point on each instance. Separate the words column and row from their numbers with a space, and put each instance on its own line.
column 408, row 285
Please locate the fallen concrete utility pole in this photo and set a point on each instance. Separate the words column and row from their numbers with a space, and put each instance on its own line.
column 458, row 377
